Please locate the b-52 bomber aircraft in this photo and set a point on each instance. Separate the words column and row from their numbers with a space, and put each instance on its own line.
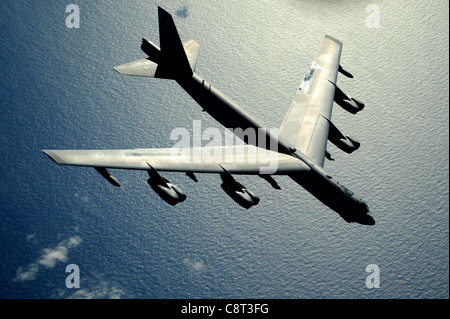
column 298, row 147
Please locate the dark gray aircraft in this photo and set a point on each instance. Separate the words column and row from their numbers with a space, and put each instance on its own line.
column 296, row 149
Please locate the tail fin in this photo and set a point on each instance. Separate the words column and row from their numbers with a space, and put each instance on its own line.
column 173, row 60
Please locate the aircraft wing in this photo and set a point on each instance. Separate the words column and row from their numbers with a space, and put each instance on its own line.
column 238, row 159
column 306, row 124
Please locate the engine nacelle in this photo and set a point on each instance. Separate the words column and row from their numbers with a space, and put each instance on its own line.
column 240, row 195
column 349, row 104
column 169, row 192
column 237, row 191
column 346, row 144
column 358, row 103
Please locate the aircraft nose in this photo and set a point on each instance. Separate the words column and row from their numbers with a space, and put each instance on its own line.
column 367, row 220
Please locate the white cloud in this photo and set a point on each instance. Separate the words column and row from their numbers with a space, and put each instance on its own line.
column 28, row 274
column 92, row 287
column 49, row 258
column 193, row 264
column 102, row 291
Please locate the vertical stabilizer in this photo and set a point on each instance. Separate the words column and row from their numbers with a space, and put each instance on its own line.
column 173, row 62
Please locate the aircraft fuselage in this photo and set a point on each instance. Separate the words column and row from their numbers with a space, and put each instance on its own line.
column 332, row 193
column 229, row 114
column 320, row 184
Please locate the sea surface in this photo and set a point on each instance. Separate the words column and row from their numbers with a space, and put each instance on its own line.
column 58, row 90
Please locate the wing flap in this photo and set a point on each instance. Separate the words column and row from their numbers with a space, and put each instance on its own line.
column 242, row 159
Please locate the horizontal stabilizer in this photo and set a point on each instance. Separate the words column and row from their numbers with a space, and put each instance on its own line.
column 143, row 67
column 147, row 67
column 174, row 60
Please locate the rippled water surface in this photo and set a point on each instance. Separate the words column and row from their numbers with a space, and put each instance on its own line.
column 58, row 91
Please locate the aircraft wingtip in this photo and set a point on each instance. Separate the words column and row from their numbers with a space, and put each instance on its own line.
column 333, row 39
column 118, row 69
column 52, row 155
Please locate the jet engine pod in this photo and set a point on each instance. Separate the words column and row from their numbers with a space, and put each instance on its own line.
column 355, row 143
column 240, row 194
column 237, row 191
column 169, row 192
column 347, row 144
column 358, row 103
column 349, row 104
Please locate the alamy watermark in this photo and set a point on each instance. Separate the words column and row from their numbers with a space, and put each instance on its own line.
column 373, row 279
column 73, row 279
column 73, row 19
column 373, row 19
column 226, row 148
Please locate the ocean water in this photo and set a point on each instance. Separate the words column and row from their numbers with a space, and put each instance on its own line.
column 58, row 91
